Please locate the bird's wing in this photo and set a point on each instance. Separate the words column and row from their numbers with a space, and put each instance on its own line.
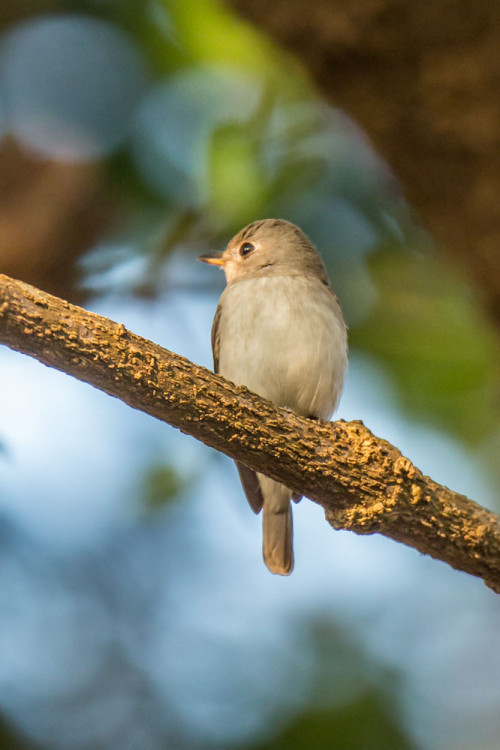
column 250, row 483
column 248, row 478
column 216, row 337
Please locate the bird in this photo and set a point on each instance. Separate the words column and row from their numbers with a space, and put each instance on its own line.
column 278, row 330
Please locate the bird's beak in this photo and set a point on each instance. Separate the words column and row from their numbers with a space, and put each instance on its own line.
column 214, row 259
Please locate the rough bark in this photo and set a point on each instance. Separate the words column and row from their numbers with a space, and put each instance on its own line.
column 363, row 483
column 422, row 80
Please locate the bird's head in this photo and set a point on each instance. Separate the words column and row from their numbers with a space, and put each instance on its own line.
column 271, row 246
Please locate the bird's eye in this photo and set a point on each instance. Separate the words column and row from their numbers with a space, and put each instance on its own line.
column 246, row 249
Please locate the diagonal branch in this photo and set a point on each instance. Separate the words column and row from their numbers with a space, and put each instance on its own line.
column 363, row 483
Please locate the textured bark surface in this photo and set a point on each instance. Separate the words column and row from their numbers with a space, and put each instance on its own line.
column 363, row 482
column 422, row 79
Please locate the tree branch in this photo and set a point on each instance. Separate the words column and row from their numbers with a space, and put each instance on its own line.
column 363, row 483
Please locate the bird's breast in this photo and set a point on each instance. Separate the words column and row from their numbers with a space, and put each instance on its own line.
column 285, row 339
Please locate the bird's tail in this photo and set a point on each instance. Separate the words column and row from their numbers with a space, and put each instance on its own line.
column 277, row 527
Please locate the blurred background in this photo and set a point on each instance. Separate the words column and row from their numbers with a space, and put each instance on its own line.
column 135, row 610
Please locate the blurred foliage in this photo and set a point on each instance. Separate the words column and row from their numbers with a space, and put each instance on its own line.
column 428, row 330
column 235, row 169
column 10, row 739
column 161, row 485
column 351, row 702
column 366, row 723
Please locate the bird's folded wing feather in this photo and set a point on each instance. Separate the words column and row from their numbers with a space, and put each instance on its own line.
column 248, row 478
column 251, row 485
column 216, row 337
